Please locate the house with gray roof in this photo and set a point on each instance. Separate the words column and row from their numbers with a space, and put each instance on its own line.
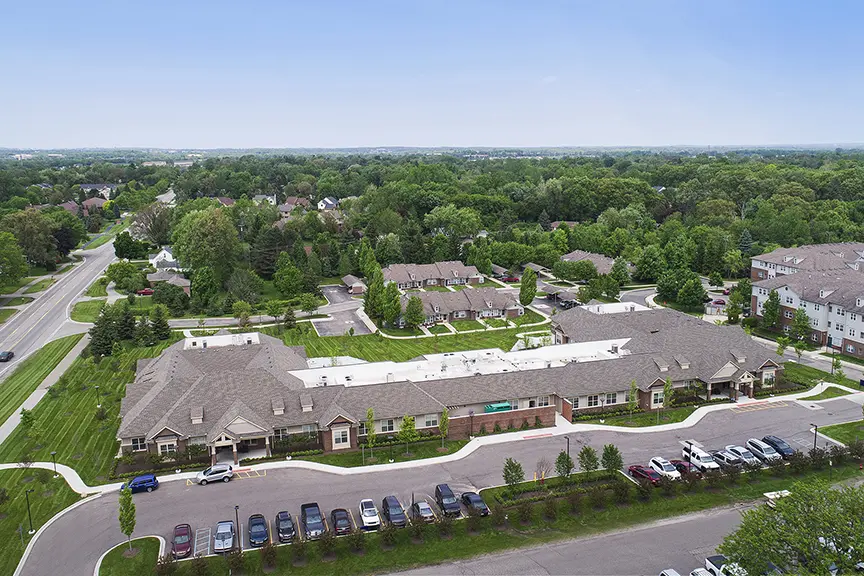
column 164, row 260
column 449, row 273
column 171, row 277
column 602, row 263
column 468, row 304
column 810, row 258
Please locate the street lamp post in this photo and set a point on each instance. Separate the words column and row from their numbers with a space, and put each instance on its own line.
column 29, row 516
column 54, row 461
column 390, row 441
column 98, row 397
column 239, row 532
column 567, row 438
column 815, row 434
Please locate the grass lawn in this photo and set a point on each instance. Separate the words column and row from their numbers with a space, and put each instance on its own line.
column 375, row 348
column 436, row 289
column 844, row 357
column 17, row 301
column 39, row 286
column 530, row 317
column 417, row 451
column 392, row 331
column 87, row 311
column 330, row 280
column 117, row 563
column 512, row 534
column 438, row 329
column 64, row 269
column 107, row 236
column 15, row 286
column 495, row 322
column 844, row 433
column 772, row 335
column 269, row 291
column 466, row 325
column 142, row 305
column 645, row 418
column 697, row 311
column 31, row 372
column 68, row 422
column 97, row 289
column 829, row 392
column 810, row 377
column 6, row 313
column 460, row 287
column 47, row 499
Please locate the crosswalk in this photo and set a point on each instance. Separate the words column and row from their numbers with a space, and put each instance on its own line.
column 758, row 407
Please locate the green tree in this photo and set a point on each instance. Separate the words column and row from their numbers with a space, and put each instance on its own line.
column 513, row 472
column 308, row 303
column 370, row 429
column 126, row 276
column 799, row 346
column 800, row 328
column 564, row 464
column 733, row 262
column 241, row 311
column 745, row 243
column 103, row 334
column 771, row 310
column 444, row 424
column 392, row 303
column 13, row 266
column 782, row 344
column 33, row 231
column 159, row 322
column 651, row 264
column 289, row 321
column 528, row 287
column 127, row 514
column 274, row 309
column 125, row 321
column 692, row 294
column 172, row 297
column 245, row 285
column 288, row 279
column 620, row 272
column 611, row 459
column 633, row 398
column 407, row 430
column 715, row 279
column 27, row 421
column 204, row 288
column 144, row 332
column 207, row 238
column 668, row 393
column 373, row 299
column 266, row 250
column 414, row 314
column 734, row 307
column 588, row 461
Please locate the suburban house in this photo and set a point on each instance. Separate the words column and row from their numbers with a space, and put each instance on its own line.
column 809, row 258
column 164, row 260
column 167, row 198
column 103, row 190
column 602, row 263
column 95, row 203
column 171, row 278
column 328, row 203
column 557, row 223
column 292, row 202
column 467, row 305
column 540, row 270
column 355, row 285
column 225, row 201
column 259, row 199
column 448, row 273
column 71, row 206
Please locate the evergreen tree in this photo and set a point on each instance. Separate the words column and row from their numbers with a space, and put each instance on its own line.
column 544, row 221
column 771, row 310
column 414, row 314
column 144, row 332
column 159, row 322
column 392, row 303
column 266, row 251
column 125, row 322
column 528, row 287
column 373, row 300
column 313, row 263
column 289, row 321
column 745, row 242
column 103, row 334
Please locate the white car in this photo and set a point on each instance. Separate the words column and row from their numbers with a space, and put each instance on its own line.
column 369, row 515
column 745, row 455
column 763, row 451
column 699, row 458
column 223, row 540
column 216, row 473
column 664, row 468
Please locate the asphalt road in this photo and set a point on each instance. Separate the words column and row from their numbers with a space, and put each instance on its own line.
column 43, row 319
column 61, row 549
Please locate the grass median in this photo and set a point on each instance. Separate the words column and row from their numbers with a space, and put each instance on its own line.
column 844, row 433
column 6, row 313
column 39, row 286
column 828, row 393
column 120, row 561
column 382, row 454
column 87, row 311
column 97, row 289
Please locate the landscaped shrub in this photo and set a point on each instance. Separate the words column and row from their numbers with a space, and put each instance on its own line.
column 268, row 554
column 778, row 467
column 498, row 515
column 473, row 521
column 598, row 497
column 235, row 560
column 417, row 528
column 497, row 428
column 525, row 425
column 525, row 512
column 200, row 566
column 327, row 544
column 574, row 501
column 445, row 526
column 692, row 483
column 644, row 490
column 299, row 551
column 838, row 455
column 732, row 474
column 166, row 565
column 357, row 540
column 668, row 486
column 818, row 458
column 482, row 430
column 856, row 449
column 537, row 422
column 387, row 533
column 550, row 508
column 623, row 491
column 798, row 462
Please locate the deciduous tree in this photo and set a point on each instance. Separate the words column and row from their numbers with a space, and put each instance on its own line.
column 588, row 459
column 528, row 287
column 127, row 514
column 414, row 314
column 771, row 310
column 13, row 266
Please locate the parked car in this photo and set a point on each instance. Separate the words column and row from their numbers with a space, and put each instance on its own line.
column 312, row 520
column 727, row 459
column 719, row 566
column 686, row 469
column 215, row 473
column 393, row 511
column 258, row 531
column 510, row 279
column 447, row 500
column 422, row 511
column 781, row 446
column 145, row 292
column 223, row 539
column 474, row 501
column 369, row 515
column 285, row 529
column 644, row 474
column 341, row 522
column 719, row 302
column 181, row 542
column 763, row 451
column 664, row 468
column 6, row 355
column 700, row 572
column 670, row 572
column 143, row 483
column 745, row 455
column 726, row 291
column 699, row 458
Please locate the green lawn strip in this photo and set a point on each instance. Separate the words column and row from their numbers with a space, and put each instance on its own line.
column 97, row 289
column 16, row 286
column 39, row 286
column 460, row 287
column 466, row 325
column 772, row 335
column 495, row 322
column 436, row 289
column 69, row 424
column 530, row 317
column 31, row 372
column 46, row 500
column 107, row 236
column 829, row 392
column 400, row 331
column 64, row 269
column 844, row 433
column 142, row 305
column 416, row 451
column 118, row 563
column 810, row 377
column 87, row 311
column 375, row 348
column 438, row 329
column 693, row 311
column 17, row 301
column 844, row 357
column 642, row 419
column 330, row 281
column 435, row 550
column 6, row 313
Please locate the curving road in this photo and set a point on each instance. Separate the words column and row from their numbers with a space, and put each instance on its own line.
column 61, row 549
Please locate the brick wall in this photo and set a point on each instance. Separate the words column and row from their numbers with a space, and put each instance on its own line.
column 754, row 274
column 859, row 348
column 566, row 409
column 460, row 427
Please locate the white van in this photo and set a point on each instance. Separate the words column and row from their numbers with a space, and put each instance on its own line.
column 699, row 458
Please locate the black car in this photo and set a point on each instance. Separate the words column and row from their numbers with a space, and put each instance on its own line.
column 473, row 501
column 340, row 521
column 313, row 521
column 258, row 532
column 285, row 527
column 6, row 355
column 780, row 445
column 447, row 500
column 393, row 512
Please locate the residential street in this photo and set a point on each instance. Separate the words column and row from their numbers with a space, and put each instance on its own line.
column 43, row 319
column 60, row 549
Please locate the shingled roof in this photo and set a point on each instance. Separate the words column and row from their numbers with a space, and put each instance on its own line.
column 404, row 273
column 817, row 257
column 602, row 263
column 844, row 288
column 469, row 299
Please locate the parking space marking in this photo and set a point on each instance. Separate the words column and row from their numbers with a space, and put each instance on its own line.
column 270, row 532
column 353, row 521
column 241, row 474
column 202, row 542
column 760, row 406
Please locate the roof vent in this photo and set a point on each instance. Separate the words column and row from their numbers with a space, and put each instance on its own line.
column 196, row 413
column 278, row 406
column 614, row 349
column 684, row 363
column 662, row 365
column 739, row 356
column 306, row 402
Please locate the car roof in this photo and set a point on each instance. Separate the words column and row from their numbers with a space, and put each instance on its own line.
column 391, row 499
column 443, row 487
column 185, row 527
column 256, row 517
column 224, row 523
column 340, row 511
column 145, row 477
column 309, row 505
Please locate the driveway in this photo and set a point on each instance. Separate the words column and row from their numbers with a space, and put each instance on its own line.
column 341, row 323
column 336, row 294
column 60, row 549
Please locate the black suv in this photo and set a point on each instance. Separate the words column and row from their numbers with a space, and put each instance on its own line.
column 780, row 445
column 393, row 512
column 258, row 533
column 447, row 500
column 312, row 520
column 285, row 527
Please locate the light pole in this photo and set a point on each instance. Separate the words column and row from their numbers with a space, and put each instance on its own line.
column 239, row 532
column 567, row 438
column 54, row 461
column 98, row 397
column 29, row 516
column 390, row 441
column 815, row 434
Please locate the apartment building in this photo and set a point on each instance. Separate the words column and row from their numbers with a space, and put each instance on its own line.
column 811, row 258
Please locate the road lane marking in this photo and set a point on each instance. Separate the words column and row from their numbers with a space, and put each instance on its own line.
column 758, row 407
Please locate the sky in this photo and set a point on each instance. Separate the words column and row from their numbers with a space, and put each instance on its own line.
column 529, row 73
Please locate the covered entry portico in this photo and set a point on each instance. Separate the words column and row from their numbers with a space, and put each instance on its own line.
column 240, row 439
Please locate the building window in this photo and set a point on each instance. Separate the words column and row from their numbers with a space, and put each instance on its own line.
column 611, row 397
column 575, row 402
column 514, row 404
column 850, row 348
column 361, row 429
column 593, row 401
column 788, row 314
column 167, row 449
column 139, row 444
column 542, row 401
column 657, row 398
column 852, row 316
column 789, row 300
column 431, row 420
column 814, row 321
column 340, row 438
column 851, row 332
column 817, row 307
column 839, row 328
column 814, row 337
column 387, row 425
column 309, row 429
column 280, row 434
column 841, row 312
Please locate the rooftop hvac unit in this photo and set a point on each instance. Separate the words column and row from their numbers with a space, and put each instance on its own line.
column 614, row 348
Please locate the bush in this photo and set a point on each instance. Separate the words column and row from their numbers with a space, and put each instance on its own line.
column 327, row 543
column 268, row 554
column 856, row 449
column 537, row 422
column 416, row 530
column 200, row 566
column 4, row 496
column 497, row 428
column 550, row 508
column 101, row 414
column 235, row 560
column 574, row 501
column 798, row 462
column 598, row 497
column 473, row 522
column 166, row 565
column 482, row 430
column 498, row 515
column 357, row 540
column 732, row 474
column 668, row 486
column 818, row 458
column 42, row 476
column 525, row 425
column 623, row 492
column 754, row 470
column 525, row 512
column 838, row 455
column 692, row 483
column 644, row 491
column 777, row 467
column 299, row 548
column 445, row 526
column 387, row 532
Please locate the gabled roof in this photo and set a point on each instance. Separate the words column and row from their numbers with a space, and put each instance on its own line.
column 602, row 263
column 476, row 299
column 844, row 288
column 817, row 257
column 404, row 273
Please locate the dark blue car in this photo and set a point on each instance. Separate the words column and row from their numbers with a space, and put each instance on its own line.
column 144, row 483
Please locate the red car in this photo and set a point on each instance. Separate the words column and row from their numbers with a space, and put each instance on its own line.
column 686, row 468
column 181, row 543
column 644, row 474
column 510, row 279
column 719, row 302
column 145, row 292
column 726, row 291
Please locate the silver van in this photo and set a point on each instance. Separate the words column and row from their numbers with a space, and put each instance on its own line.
column 215, row 473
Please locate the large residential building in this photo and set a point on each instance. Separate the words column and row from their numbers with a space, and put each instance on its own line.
column 602, row 263
column 810, row 258
column 448, row 273
column 468, row 304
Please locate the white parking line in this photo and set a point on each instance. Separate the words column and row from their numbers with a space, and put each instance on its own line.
column 202, row 542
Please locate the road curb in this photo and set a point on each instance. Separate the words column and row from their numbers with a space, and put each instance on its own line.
column 102, row 557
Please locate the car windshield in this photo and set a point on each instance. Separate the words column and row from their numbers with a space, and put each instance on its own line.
column 746, row 454
column 668, row 467
column 313, row 517
column 286, row 523
column 424, row 508
column 449, row 500
column 395, row 510
column 768, row 450
column 181, row 539
column 258, row 529
column 369, row 511
column 706, row 458
column 341, row 521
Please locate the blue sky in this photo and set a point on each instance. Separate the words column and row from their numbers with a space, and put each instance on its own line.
column 209, row 74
